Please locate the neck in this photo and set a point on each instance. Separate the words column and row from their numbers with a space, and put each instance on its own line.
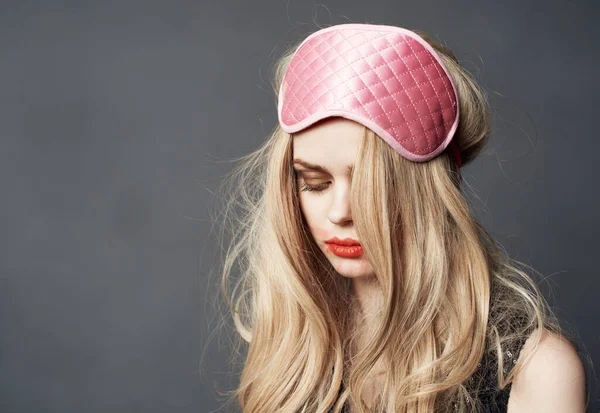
column 366, row 305
column 367, row 301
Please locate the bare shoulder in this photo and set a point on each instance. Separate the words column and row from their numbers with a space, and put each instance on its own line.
column 552, row 380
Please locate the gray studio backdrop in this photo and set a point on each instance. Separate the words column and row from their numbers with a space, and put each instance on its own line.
column 116, row 119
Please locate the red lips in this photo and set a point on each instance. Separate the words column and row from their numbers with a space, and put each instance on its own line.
column 346, row 248
column 347, row 242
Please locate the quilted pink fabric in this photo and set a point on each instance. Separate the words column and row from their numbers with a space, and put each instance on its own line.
column 384, row 77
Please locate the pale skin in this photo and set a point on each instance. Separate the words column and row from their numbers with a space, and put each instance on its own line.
column 553, row 380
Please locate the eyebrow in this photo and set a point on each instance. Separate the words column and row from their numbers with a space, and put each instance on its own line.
column 318, row 168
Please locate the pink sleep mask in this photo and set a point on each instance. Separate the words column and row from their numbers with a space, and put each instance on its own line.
column 387, row 78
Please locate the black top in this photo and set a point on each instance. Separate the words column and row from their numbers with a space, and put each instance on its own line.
column 492, row 399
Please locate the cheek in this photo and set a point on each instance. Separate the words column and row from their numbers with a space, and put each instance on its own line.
column 314, row 211
column 319, row 234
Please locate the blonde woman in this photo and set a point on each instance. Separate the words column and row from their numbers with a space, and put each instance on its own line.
column 366, row 283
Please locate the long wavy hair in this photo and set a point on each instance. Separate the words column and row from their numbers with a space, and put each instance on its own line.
column 450, row 294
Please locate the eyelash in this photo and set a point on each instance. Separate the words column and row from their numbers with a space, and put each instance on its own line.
column 314, row 188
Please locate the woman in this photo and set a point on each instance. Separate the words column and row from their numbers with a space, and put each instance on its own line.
column 367, row 285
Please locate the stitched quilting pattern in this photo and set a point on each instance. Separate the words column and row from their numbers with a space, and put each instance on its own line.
column 385, row 77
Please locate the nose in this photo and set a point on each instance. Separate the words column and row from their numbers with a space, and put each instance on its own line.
column 339, row 211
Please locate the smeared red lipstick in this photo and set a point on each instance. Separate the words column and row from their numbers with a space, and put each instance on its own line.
column 347, row 247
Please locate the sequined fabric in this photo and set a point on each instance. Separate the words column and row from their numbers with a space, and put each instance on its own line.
column 494, row 400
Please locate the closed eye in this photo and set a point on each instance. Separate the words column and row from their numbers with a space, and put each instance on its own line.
column 316, row 188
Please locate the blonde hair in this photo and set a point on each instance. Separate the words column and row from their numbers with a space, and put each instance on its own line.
column 450, row 293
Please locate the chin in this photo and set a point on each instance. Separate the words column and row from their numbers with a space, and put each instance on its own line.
column 352, row 267
column 352, row 276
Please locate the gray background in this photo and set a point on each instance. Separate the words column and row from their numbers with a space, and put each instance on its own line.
column 117, row 120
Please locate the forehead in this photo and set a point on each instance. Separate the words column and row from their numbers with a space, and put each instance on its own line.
column 329, row 139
